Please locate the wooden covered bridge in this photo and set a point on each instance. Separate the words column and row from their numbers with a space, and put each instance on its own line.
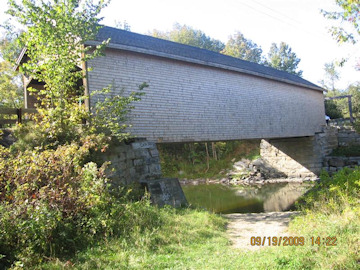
column 200, row 95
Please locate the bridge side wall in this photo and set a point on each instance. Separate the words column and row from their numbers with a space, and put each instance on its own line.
column 189, row 102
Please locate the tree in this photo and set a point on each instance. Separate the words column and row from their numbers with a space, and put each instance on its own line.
column 354, row 91
column 240, row 47
column 283, row 58
column 333, row 110
column 122, row 25
column 350, row 13
column 55, row 33
column 331, row 76
column 54, row 37
column 11, row 93
column 187, row 35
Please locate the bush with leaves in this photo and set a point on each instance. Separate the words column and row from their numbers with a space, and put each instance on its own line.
column 48, row 199
column 332, row 110
column 54, row 197
column 335, row 193
column 110, row 114
column 107, row 118
column 54, row 202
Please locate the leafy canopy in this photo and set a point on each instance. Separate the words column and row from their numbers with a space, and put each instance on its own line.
column 55, row 33
column 187, row 35
column 349, row 29
column 54, row 37
column 10, row 91
column 283, row 58
column 331, row 76
column 350, row 13
column 240, row 47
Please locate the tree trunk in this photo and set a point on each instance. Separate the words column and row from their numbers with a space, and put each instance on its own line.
column 213, row 148
column 207, row 157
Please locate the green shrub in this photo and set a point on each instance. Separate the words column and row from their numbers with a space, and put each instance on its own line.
column 347, row 151
column 333, row 110
column 335, row 193
column 54, row 202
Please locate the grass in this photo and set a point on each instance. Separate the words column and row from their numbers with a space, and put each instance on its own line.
column 195, row 239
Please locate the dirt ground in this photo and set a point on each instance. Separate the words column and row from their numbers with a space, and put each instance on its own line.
column 242, row 227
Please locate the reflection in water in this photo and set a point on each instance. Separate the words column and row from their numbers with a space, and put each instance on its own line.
column 229, row 199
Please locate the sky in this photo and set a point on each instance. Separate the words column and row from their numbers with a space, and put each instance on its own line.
column 298, row 23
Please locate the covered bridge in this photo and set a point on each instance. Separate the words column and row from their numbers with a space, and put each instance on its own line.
column 200, row 95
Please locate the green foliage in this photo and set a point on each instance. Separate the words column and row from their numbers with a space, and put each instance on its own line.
column 339, row 108
column 240, row 47
column 55, row 198
column 347, row 151
column 11, row 95
column 187, row 35
column 54, row 42
column 110, row 114
column 191, row 239
column 354, row 91
column 46, row 198
column 349, row 13
column 189, row 160
column 348, row 17
column 172, row 243
column 332, row 109
column 331, row 76
column 56, row 32
column 55, row 202
column 11, row 92
column 283, row 58
column 335, row 193
column 46, row 132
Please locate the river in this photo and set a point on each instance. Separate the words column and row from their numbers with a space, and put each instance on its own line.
column 228, row 199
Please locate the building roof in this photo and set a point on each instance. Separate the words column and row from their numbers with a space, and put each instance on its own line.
column 125, row 40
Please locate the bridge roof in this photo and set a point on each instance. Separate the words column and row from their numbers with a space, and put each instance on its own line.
column 125, row 40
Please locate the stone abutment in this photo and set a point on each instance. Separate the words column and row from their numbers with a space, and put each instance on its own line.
column 301, row 156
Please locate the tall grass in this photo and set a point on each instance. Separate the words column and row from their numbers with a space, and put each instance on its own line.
column 194, row 239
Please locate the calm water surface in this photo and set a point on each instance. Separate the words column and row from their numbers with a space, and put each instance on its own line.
column 237, row 199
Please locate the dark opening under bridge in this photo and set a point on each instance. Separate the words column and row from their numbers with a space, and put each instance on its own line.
column 199, row 95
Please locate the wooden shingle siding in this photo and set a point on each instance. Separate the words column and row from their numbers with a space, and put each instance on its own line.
column 191, row 102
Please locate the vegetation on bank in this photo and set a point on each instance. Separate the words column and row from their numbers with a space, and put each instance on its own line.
column 193, row 239
column 204, row 160
column 347, row 151
column 58, row 209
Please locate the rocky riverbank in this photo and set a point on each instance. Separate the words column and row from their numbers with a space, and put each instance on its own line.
column 247, row 172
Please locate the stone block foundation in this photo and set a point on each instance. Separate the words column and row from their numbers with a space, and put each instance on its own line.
column 301, row 156
column 133, row 162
